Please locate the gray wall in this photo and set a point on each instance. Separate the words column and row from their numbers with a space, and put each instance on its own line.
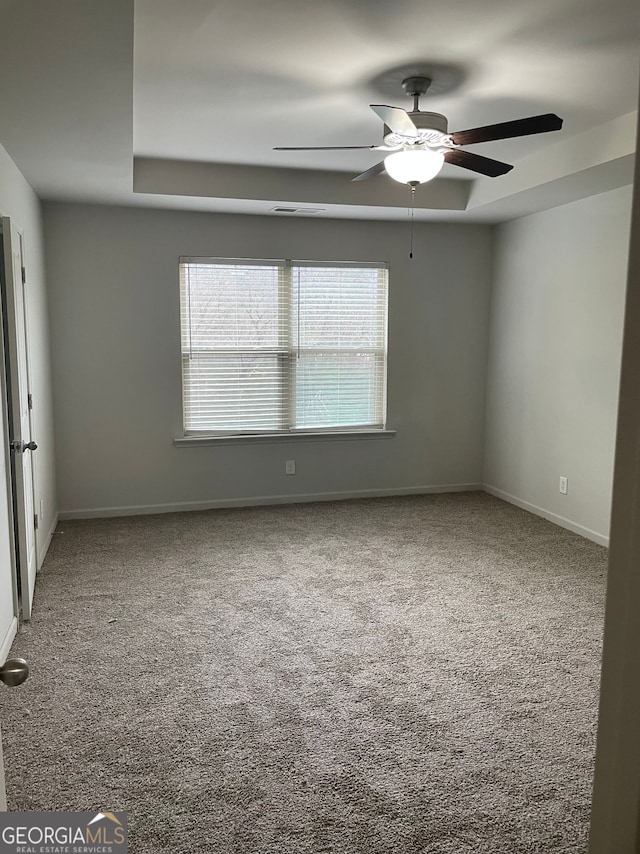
column 18, row 201
column 554, row 359
column 116, row 359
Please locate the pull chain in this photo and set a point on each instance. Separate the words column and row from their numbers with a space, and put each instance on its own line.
column 412, row 209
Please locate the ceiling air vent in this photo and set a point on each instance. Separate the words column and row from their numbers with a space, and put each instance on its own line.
column 285, row 210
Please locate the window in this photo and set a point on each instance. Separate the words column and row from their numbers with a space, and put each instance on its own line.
column 282, row 346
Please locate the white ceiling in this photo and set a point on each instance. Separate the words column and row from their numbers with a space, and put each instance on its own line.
column 180, row 102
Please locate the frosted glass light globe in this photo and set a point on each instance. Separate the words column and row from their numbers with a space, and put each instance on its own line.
column 414, row 166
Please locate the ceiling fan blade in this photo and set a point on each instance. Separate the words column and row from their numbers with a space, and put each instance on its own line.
column 370, row 173
column 323, row 147
column 477, row 163
column 507, row 130
column 396, row 119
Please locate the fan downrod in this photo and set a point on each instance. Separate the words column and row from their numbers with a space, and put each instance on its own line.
column 415, row 87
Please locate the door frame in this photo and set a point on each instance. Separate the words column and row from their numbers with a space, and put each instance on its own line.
column 11, row 404
column 6, row 642
column 4, row 414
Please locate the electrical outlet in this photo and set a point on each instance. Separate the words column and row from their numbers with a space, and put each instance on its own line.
column 564, row 485
column 290, row 467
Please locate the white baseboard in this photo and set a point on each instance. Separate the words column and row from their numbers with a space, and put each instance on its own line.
column 7, row 640
column 304, row 498
column 601, row 539
column 42, row 551
column 254, row 501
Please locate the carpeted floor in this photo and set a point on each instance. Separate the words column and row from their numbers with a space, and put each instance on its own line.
column 401, row 675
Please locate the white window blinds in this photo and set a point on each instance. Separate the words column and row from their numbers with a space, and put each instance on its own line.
column 278, row 346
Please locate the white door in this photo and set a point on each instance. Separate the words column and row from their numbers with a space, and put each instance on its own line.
column 20, row 414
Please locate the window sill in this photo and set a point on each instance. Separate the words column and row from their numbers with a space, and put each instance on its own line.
column 268, row 438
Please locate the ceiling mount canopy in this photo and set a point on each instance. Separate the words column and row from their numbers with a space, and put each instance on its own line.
column 445, row 78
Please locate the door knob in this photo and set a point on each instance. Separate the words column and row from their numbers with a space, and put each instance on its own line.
column 18, row 446
column 14, row 672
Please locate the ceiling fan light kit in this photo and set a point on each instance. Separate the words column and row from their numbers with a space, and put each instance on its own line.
column 414, row 166
column 419, row 144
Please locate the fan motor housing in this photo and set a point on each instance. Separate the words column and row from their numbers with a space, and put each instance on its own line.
column 429, row 121
column 423, row 121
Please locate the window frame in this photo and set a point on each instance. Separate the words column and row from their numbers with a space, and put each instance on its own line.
column 288, row 355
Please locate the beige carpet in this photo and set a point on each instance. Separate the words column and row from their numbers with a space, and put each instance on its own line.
column 394, row 675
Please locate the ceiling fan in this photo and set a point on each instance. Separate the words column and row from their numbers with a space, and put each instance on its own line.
column 419, row 144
